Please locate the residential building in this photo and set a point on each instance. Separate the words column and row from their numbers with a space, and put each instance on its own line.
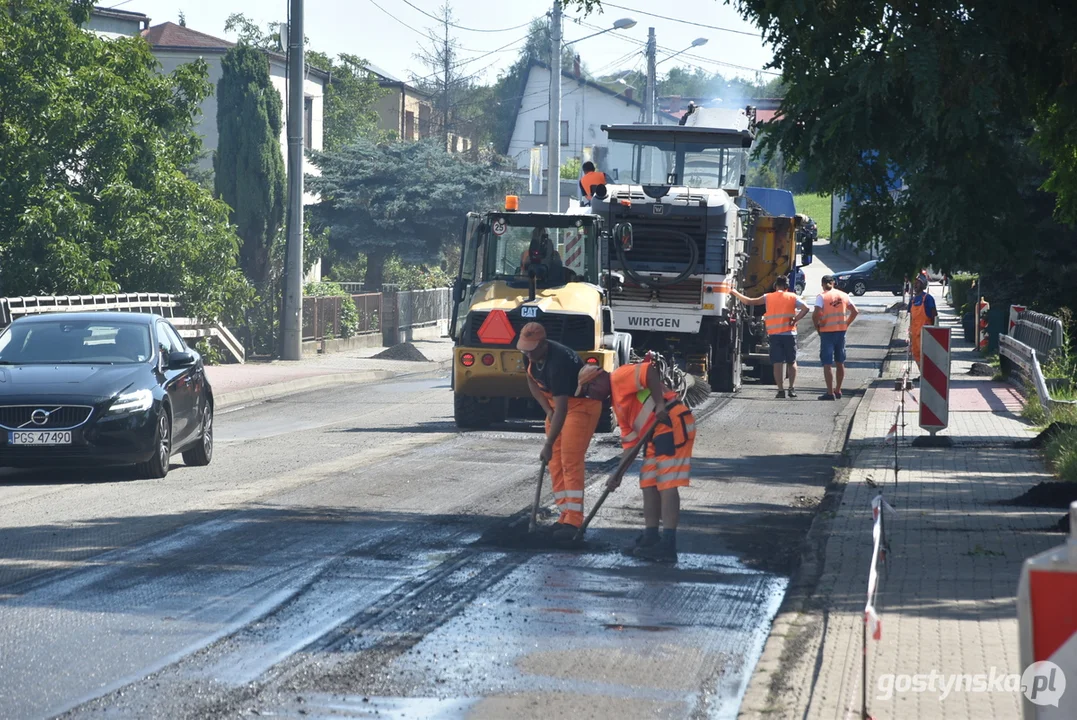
column 409, row 111
column 175, row 45
column 585, row 107
column 110, row 23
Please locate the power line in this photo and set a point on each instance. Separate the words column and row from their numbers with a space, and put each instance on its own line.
column 461, row 27
column 678, row 20
column 471, row 60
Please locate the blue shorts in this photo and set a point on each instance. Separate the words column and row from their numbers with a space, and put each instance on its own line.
column 783, row 349
column 832, row 347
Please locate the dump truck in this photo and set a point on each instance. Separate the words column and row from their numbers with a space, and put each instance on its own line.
column 684, row 234
column 520, row 267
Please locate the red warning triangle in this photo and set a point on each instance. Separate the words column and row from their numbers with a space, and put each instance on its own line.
column 496, row 329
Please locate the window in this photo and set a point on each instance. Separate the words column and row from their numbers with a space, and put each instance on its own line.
column 168, row 341
column 308, row 122
column 541, row 132
column 409, row 125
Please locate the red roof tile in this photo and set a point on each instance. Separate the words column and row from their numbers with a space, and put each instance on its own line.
column 171, row 35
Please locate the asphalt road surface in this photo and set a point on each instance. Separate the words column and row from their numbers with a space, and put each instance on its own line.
column 350, row 554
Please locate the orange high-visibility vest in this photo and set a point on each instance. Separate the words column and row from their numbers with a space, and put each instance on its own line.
column 591, row 179
column 632, row 403
column 781, row 309
column 835, row 311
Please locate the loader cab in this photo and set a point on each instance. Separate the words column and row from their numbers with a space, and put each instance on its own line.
column 528, row 252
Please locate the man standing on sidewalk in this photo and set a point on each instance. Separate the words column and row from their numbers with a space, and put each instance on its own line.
column 553, row 375
column 833, row 314
column 784, row 311
column 922, row 311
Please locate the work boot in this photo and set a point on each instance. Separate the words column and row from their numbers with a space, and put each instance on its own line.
column 563, row 533
column 663, row 551
column 792, row 393
column 646, row 538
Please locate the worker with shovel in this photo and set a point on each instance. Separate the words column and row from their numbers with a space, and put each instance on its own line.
column 553, row 377
column 644, row 406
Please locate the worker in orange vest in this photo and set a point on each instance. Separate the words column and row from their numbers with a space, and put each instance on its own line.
column 833, row 313
column 783, row 311
column 591, row 179
column 922, row 311
column 640, row 400
column 553, row 377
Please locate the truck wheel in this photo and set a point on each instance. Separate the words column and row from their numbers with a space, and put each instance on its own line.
column 470, row 413
column 606, row 421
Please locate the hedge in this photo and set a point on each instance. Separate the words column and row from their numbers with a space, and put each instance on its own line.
column 960, row 289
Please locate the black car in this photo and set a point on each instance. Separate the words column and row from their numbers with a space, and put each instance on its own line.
column 867, row 278
column 102, row 389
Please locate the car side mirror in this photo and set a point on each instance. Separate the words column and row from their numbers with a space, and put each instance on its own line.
column 180, row 359
column 458, row 290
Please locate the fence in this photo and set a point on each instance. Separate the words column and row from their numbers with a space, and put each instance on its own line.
column 12, row 308
column 404, row 312
column 1033, row 335
column 322, row 317
column 368, row 305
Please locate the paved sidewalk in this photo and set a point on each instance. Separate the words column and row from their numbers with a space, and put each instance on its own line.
column 254, row 381
column 947, row 592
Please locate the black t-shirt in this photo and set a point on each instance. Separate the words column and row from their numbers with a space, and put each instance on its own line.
column 560, row 371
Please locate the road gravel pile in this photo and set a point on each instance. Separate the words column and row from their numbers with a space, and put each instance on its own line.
column 402, row 351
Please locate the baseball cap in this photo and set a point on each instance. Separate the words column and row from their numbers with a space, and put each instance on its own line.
column 530, row 336
column 587, row 374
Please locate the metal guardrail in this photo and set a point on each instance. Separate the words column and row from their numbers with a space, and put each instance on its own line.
column 163, row 304
column 416, row 308
column 1041, row 332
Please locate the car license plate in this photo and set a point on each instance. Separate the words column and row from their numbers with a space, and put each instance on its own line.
column 40, row 437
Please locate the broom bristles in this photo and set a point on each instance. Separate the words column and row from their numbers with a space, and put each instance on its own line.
column 698, row 392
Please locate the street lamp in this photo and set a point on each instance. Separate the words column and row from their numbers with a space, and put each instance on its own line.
column 553, row 129
column 695, row 43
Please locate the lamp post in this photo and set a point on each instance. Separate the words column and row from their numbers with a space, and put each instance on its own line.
column 553, row 129
column 652, row 77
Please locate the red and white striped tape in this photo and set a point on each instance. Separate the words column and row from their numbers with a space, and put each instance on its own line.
column 573, row 252
column 934, row 378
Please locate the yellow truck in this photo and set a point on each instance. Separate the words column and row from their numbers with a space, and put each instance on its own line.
column 520, row 267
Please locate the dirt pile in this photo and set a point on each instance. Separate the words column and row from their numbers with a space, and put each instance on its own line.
column 403, row 351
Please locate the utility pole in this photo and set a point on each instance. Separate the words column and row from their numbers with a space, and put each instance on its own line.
column 292, row 330
column 652, row 85
column 553, row 134
column 446, row 56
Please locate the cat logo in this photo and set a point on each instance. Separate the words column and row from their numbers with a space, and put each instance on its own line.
column 529, row 312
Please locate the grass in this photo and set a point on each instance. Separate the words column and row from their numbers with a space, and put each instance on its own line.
column 1061, row 450
column 817, row 207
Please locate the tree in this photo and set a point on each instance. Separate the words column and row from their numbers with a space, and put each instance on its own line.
column 401, row 199
column 350, row 95
column 248, row 166
column 93, row 197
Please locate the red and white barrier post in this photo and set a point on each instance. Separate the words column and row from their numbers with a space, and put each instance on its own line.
column 1015, row 312
column 934, row 378
column 1047, row 617
column 982, row 334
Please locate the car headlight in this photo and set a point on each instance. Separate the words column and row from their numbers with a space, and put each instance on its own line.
column 843, row 277
column 131, row 402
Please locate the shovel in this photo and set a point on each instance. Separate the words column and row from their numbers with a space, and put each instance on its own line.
column 538, row 496
column 626, row 461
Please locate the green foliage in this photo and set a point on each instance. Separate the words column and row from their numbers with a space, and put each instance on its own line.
column 209, row 352
column 349, row 99
column 570, row 169
column 817, row 207
column 349, row 314
column 961, row 290
column 248, row 166
column 762, row 176
column 409, row 276
column 406, row 199
column 1061, row 453
column 94, row 143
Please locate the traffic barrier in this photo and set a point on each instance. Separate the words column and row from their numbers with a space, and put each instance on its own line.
column 1047, row 618
column 1015, row 314
column 982, row 334
column 873, row 627
column 1044, row 333
column 934, row 378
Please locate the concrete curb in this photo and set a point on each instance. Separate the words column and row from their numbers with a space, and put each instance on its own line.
column 262, row 393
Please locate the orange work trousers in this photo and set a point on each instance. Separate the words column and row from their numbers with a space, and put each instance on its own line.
column 567, row 469
column 670, row 471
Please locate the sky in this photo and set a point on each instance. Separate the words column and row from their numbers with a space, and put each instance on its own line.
column 389, row 33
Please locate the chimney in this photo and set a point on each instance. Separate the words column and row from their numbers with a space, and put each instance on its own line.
column 576, row 66
column 628, row 93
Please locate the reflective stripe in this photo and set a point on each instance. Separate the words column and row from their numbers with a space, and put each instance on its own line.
column 690, row 427
column 780, row 311
column 831, row 319
column 665, row 464
column 673, row 477
column 569, row 507
column 568, row 494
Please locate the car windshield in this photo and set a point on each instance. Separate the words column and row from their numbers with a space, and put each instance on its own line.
column 61, row 341
column 866, row 267
column 562, row 254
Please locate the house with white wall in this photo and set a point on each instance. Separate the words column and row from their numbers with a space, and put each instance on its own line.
column 110, row 23
column 175, row 45
column 585, row 107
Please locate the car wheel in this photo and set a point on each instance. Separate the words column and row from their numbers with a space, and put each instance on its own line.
column 859, row 288
column 157, row 466
column 202, row 452
column 800, row 288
